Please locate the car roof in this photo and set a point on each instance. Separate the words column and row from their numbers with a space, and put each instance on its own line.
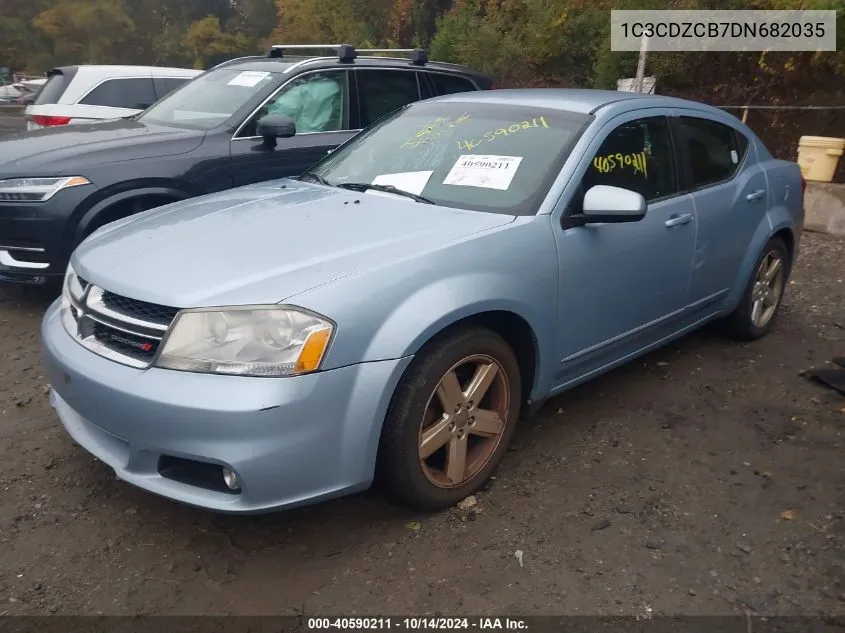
column 583, row 101
column 122, row 71
column 283, row 64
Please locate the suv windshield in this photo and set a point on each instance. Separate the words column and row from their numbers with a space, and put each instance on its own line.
column 210, row 99
column 479, row 156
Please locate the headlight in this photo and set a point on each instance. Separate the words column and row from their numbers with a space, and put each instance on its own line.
column 37, row 189
column 248, row 341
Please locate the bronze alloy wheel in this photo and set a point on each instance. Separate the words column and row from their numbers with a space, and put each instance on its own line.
column 767, row 290
column 463, row 421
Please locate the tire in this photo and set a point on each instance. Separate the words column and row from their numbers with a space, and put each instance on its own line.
column 741, row 323
column 417, row 404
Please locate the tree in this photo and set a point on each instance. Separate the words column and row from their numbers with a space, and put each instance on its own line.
column 206, row 44
column 87, row 31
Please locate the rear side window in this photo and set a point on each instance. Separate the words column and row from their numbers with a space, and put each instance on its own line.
column 136, row 93
column 52, row 91
column 714, row 151
column 384, row 91
column 450, row 84
column 166, row 85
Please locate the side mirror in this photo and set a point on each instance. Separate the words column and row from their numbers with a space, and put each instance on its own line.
column 612, row 205
column 273, row 126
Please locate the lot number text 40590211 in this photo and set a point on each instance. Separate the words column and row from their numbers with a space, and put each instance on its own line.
column 421, row 623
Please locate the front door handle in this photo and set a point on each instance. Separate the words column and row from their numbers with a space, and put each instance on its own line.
column 755, row 195
column 678, row 219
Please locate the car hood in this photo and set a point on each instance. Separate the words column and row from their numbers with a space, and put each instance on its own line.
column 57, row 151
column 265, row 243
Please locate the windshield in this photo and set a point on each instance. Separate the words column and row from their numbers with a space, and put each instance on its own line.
column 478, row 156
column 210, row 99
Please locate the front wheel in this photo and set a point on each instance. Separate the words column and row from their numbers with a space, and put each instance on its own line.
column 755, row 314
column 451, row 419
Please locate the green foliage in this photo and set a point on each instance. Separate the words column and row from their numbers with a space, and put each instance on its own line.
column 519, row 42
column 207, row 44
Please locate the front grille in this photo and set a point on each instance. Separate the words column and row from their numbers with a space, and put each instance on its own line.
column 141, row 310
column 126, row 330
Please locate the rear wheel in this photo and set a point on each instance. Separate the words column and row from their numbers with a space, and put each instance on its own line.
column 756, row 312
column 451, row 419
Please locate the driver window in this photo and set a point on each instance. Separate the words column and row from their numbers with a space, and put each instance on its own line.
column 638, row 156
column 318, row 102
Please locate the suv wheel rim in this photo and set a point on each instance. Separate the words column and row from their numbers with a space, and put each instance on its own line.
column 768, row 287
column 463, row 421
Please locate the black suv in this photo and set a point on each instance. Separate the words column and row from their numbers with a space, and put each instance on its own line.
column 228, row 127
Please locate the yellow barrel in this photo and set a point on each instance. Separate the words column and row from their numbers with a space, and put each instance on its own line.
column 818, row 156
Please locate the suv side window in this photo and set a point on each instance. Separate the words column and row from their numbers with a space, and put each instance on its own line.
column 137, row 93
column 714, row 150
column 450, row 84
column 317, row 102
column 639, row 156
column 384, row 91
column 166, row 85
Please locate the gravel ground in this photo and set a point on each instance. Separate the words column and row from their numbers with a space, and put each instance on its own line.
column 706, row 478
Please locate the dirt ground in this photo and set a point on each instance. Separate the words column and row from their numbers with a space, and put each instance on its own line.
column 707, row 478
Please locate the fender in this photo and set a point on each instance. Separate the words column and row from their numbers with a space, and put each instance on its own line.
column 434, row 308
column 89, row 217
column 776, row 219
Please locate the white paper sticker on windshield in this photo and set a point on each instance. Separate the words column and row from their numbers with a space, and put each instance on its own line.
column 248, row 78
column 734, row 156
column 489, row 172
column 410, row 181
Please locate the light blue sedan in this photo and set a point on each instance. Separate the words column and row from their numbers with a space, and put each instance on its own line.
column 396, row 310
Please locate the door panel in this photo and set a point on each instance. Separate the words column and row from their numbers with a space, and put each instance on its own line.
column 729, row 188
column 625, row 286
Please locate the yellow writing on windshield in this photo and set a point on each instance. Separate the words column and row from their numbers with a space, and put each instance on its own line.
column 433, row 130
column 492, row 135
column 611, row 162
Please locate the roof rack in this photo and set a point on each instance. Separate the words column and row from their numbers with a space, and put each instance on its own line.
column 347, row 52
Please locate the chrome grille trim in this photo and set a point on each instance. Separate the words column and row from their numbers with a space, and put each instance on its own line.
column 95, row 304
column 83, row 310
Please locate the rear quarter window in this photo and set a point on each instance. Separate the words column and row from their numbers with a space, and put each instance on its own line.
column 450, row 84
column 52, row 91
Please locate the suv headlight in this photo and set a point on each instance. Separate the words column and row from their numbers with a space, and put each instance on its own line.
column 247, row 341
column 37, row 189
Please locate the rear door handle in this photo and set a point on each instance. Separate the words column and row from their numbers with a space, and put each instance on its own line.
column 678, row 219
column 756, row 195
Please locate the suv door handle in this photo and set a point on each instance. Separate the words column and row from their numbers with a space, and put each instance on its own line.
column 678, row 219
column 756, row 195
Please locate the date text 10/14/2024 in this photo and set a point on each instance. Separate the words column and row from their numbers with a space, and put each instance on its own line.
column 416, row 624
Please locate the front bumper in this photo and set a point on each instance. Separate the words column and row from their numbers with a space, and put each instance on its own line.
column 36, row 239
column 291, row 441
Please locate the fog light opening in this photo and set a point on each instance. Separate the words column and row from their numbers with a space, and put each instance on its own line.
column 231, row 479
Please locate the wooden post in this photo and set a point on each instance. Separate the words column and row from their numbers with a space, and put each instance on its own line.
column 638, row 82
column 744, row 114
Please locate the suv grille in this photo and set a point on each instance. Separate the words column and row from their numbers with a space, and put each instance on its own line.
column 125, row 330
column 151, row 312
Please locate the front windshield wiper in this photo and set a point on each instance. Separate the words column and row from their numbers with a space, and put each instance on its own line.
column 314, row 176
column 363, row 186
